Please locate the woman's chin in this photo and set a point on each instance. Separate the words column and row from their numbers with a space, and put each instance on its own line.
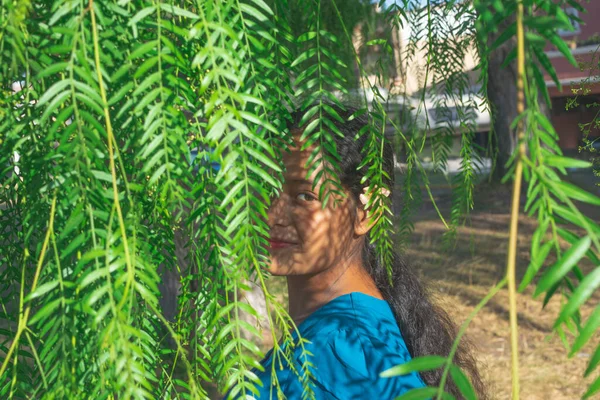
column 276, row 269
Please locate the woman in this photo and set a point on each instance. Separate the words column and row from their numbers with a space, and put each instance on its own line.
column 340, row 295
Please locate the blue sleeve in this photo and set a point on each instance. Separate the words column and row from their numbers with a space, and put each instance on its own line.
column 346, row 365
column 349, row 364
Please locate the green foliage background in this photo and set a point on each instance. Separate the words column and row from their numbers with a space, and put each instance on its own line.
column 114, row 96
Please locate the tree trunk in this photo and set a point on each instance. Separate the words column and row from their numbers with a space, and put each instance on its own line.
column 502, row 95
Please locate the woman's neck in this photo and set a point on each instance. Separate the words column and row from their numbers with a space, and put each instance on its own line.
column 307, row 293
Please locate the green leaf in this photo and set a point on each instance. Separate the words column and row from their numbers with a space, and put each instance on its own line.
column 75, row 243
column 304, row 56
column 147, row 82
column 89, row 102
column 121, row 72
column 46, row 310
column 263, row 174
column 53, row 92
column 92, row 277
column 425, row 363
column 264, row 6
column 88, row 91
column 147, row 99
column 548, row 140
column 305, row 37
column 263, row 158
column 577, row 193
column 158, row 173
column 535, row 265
column 178, row 11
column 566, row 162
column 577, row 218
column 463, row 383
column 547, row 65
column 425, row 393
column 550, row 293
column 583, row 292
column 593, row 389
column 309, row 129
column 557, row 271
column 103, row 176
column 546, row 124
column 536, row 40
column 73, row 222
column 63, row 10
column 120, row 93
column 545, row 22
column 561, row 46
column 253, row 12
column 41, row 290
column 510, row 57
column 149, row 149
column 594, row 361
column 143, row 13
column 96, row 295
column 572, row 238
column 587, row 332
column 142, row 49
column 53, row 69
column 575, row 4
column 541, row 84
column 507, row 34
column 146, row 65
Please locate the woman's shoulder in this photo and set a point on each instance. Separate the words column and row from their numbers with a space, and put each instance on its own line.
column 357, row 312
column 360, row 350
column 353, row 345
column 348, row 363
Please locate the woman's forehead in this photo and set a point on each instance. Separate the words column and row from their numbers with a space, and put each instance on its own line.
column 296, row 139
column 295, row 161
column 296, row 158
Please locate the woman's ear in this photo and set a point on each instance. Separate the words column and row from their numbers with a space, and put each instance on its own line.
column 365, row 219
column 362, row 224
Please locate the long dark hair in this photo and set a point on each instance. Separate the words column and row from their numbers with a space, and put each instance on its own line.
column 426, row 328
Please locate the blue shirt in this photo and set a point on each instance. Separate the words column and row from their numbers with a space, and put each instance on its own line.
column 353, row 339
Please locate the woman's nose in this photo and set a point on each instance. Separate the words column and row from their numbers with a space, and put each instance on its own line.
column 278, row 212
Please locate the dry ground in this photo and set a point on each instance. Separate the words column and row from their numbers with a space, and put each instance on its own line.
column 460, row 277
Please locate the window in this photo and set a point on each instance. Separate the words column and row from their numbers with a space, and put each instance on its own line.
column 444, row 114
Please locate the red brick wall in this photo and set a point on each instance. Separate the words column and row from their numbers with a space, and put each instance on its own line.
column 590, row 19
column 566, row 123
column 589, row 27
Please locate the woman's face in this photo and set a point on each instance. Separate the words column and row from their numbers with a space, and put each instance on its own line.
column 305, row 237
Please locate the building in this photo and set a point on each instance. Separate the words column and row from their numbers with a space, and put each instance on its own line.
column 580, row 83
column 441, row 110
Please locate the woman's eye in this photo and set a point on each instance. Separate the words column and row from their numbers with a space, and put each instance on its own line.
column 306, row 197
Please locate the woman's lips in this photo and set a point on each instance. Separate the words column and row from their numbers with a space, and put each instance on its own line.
column 279, row 244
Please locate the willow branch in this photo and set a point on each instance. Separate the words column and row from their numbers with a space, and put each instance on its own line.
column 461, row 332
column 23, row 317
column 514, row 219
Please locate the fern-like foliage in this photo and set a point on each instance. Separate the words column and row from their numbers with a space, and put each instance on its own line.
column 144, row 137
